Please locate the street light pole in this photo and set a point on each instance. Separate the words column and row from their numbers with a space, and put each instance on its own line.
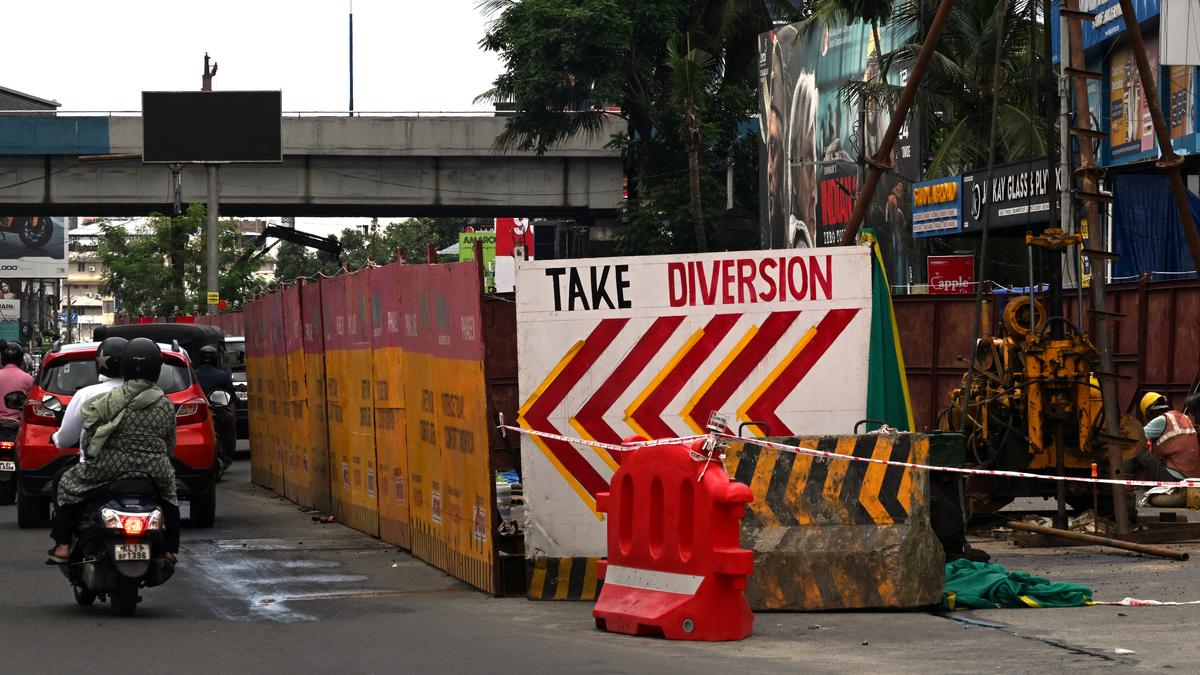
column 210, row 236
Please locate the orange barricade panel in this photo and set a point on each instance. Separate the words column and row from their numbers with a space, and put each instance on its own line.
column 316, row 432
column 279, row 412
column 390, row 443
column 298, row 473
column 256, row 372
column 359, row 415
column 451, row 486
column 333, row 295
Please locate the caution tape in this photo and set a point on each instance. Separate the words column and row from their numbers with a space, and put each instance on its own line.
column 952, row 469
column 634, row 445
column 623, row 447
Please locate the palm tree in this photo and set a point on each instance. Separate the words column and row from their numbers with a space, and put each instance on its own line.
column 956, row 91
column 691, row 79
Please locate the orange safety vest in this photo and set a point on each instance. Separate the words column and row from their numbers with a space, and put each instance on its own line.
column 1178, row 445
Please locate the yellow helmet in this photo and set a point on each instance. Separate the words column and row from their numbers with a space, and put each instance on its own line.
column 1150, row 399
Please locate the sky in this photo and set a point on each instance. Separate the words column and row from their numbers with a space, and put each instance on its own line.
column 409, row 55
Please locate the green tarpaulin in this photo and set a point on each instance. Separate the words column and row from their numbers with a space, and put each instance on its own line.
column 975, row 585
column 887, row 388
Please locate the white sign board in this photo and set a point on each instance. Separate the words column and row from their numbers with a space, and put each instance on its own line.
column 33, row 248
column 652, row 346
column 1179, row 33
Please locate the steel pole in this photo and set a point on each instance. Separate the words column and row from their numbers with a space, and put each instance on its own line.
column 882, row 159
column 1108, row 384
column 1148, row 549
column 211, row 259
column 1169, row 160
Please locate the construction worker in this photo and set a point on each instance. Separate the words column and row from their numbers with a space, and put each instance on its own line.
column 1172, row 450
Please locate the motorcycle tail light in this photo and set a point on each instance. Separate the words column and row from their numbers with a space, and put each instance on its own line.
column 133, row 525
column 191, row 411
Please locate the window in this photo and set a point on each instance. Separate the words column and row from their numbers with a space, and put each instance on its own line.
column 108, row 306
column 78, row 267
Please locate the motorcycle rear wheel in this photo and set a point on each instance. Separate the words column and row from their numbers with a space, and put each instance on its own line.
column 83, row 596
column 35, row 234
column 125, row 601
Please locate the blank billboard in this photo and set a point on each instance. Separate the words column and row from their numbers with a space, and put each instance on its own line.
column 211, row 126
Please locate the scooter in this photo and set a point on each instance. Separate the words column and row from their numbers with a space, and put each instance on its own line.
column 14, row 400
column 34, row 232
column 118, row 547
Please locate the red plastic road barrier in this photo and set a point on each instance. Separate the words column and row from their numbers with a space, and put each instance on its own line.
column 674, row 564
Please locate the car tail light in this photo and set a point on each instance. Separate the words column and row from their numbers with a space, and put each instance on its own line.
column 191, row 411
column 7, row 445
column 36, row 413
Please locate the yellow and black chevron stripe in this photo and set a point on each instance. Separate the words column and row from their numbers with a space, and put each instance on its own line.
column 792, row 489
column 563, row 578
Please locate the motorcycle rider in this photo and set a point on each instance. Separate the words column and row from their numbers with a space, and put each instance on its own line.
column 108, row 367
column 12, row 378
column 129, row 431
column 213, row 378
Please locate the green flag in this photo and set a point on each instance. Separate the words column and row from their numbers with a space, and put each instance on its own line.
column 887, row 388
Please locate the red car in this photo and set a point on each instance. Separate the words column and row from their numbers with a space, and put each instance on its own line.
column 68, row 369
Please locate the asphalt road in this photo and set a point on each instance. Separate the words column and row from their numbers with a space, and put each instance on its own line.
column 270, row 591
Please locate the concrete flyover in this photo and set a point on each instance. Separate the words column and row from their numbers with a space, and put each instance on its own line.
column 413, row 165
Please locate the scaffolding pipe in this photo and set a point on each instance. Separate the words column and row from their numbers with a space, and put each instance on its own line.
column 882, row 159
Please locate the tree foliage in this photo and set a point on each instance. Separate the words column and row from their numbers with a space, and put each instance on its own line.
column 956, row 90
column 153, row 271
column 570, row 64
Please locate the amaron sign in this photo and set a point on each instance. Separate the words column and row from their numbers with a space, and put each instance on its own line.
column 652, row 346
column 951, row 274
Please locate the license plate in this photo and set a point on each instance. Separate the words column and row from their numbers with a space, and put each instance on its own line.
column 241, row 395
column 124, row 552
column 185, row 510
column 8, row 466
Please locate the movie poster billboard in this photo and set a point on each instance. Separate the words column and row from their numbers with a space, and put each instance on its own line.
column 811, row 139
column 33, row 247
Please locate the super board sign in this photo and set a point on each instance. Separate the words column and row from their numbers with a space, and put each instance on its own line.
column 612, row 348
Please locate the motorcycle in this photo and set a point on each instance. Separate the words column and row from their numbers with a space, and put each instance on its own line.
column 14, row 400
column 34, row 232
column 118, row 547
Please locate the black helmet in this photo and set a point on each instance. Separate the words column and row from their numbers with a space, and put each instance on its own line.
column 207, row 356
column 108, row 356
column 141, row 360
column 12, row 354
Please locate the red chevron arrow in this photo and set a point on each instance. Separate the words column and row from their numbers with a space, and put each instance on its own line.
column 646, row 413
column 536, row 412
column 810, row 350
column 734, row 375
column 590, row 419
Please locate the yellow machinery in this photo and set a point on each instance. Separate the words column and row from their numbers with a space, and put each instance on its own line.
column 1032, row 405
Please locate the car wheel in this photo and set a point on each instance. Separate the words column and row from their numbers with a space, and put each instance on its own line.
column 32, row 511
column 204, row 508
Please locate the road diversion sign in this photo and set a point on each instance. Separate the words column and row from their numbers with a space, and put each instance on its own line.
column 613, row 348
